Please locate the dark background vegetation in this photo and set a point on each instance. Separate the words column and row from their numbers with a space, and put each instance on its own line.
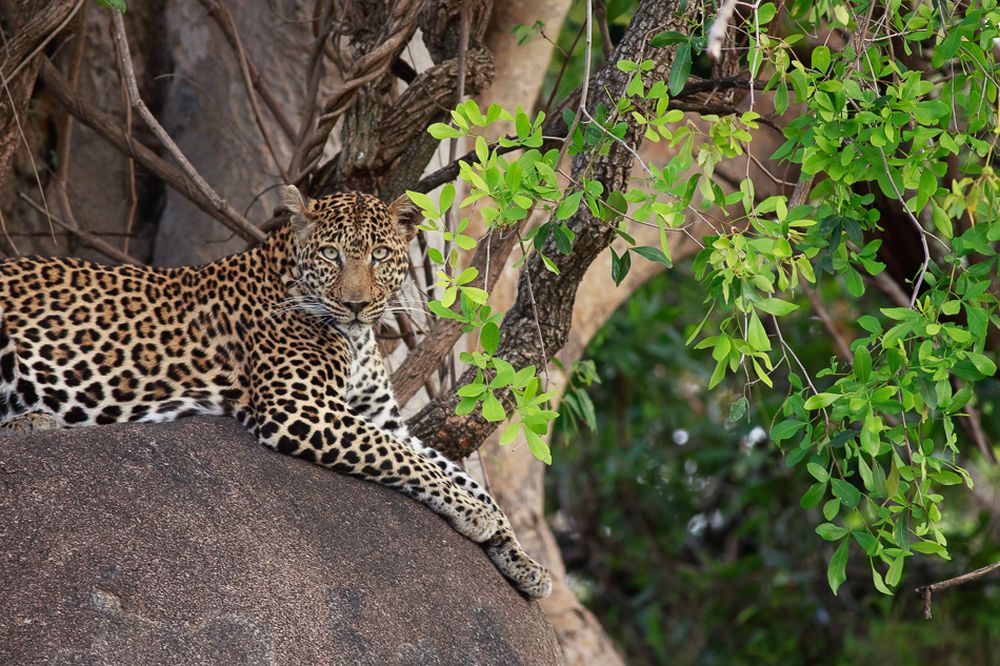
column 684, row 532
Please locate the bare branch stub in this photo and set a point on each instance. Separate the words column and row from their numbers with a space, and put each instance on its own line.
column 925, row 591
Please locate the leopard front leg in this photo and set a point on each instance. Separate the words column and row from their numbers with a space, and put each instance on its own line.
column 503, row 548
column 336, row 439
column 379, row 408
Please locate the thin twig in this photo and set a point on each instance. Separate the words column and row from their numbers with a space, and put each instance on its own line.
column 788, row 349
column 27, row 149
column 891, row 289
column 465, row 23
column 241, row 223
column 86, row 238
column 534, row 313
column 712, row 85
column 133, row 195
column 926, row 591
column 607, row 48
column 762, row 167
column 110, row 130
column 6, row 234
column 562, row 71
column 973, row 424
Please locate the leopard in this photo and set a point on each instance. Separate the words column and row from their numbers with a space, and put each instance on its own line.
column 279, row 337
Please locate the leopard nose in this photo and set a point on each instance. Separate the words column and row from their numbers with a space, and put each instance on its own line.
column 356, row 306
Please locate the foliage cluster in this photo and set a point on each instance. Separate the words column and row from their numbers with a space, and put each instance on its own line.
column 907, row 104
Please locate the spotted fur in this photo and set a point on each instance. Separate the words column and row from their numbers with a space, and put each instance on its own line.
column 278, row 337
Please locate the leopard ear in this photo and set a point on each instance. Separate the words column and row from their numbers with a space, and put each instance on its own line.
column 406, row 215
column 298, row 206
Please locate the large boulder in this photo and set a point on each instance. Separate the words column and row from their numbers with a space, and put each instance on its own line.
column 187, row 543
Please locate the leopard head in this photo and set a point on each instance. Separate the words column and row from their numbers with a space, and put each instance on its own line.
column 350, row 252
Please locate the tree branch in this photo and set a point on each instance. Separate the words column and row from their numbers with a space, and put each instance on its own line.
column 108, row 128
column 234, row 219
column 400, row 27
column 927, row 590
column 437, row 424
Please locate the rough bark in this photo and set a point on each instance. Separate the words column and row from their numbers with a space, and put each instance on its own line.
column 27, row 27
column 99, row 190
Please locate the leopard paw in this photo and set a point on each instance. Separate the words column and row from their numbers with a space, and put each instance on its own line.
column 533, row 580
column 29, row 423
column 475, row 521
column 528, row 576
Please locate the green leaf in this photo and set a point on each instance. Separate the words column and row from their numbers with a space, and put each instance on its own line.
column 895, row 572
column 493, row 410
column 870, row 324
column 667, row 37
column 942, row 222
column 504, row 374
column 821, row 58
column 781, row 98
column 738, row 409
column 653, row 254
column 862, row 363
column 756, row 335
column 983, row 364
column 866, row 541
column 465, row 406
column 537, row 446
column 845, row 492
column 425, row 202
column 439, row 131
column 929, row 548
column 568, row 206
column 946, row 478
column 898, row 332
column 620, row 265
column 836, row 572
column 786, row 430
column 489, row 337
column 471, row 390
column 831, row 508
column 776, row 306
column 879, row 584
column 855, row 285
column 812, row 497
column 510, row 433
column 830, row 532
column 821, row 400
column 818, row 472
column 681, row 69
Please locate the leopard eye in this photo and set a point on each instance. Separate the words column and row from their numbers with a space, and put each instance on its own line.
column 330, row 253
column 380, row 253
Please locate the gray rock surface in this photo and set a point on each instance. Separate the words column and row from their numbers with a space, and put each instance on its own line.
column 187, row 543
